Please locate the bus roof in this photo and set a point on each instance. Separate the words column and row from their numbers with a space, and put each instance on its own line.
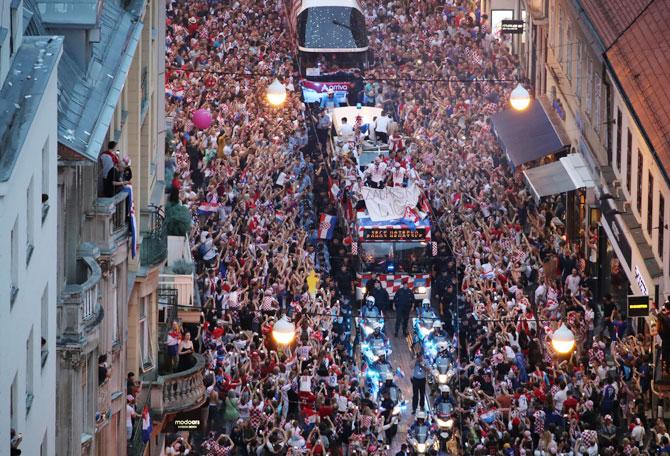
column 319, row 3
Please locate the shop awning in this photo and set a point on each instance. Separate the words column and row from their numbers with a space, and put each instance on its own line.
column 569, row 173
column 526, row 135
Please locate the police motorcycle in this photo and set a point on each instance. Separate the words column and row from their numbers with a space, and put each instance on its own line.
column 443, row 368
column 421, row 437
column 371, row 318
column 443, row 411
column 424, row 322
column 391, row 393
column 437, row 338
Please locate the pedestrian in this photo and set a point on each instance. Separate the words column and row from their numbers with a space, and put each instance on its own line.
column 404, row 304
column 382, row 300
column 419, row 383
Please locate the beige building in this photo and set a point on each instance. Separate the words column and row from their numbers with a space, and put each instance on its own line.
column 110, row 89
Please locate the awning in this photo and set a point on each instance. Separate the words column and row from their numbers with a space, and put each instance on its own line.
column 526, row 135
column 569, row 173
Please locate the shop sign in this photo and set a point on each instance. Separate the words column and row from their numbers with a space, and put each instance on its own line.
column 638, row 306
column 393, row 234
column 640, row 281
column 514, row 26
column 617, row 230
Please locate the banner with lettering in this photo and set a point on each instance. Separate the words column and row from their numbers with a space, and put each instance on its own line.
column 312, row 91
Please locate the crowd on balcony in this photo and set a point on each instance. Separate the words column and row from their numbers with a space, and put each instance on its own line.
column 252, row 181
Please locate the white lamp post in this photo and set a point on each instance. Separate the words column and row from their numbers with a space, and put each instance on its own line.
column 276, row 93
column 519, row 98
column 563, row 340
column 283, row 331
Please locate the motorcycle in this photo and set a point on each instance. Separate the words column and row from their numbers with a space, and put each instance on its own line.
column 443, row 370
column 445, row 423
column 373, row 348
column 423, row 323
column 372, row 320
column 422, row 441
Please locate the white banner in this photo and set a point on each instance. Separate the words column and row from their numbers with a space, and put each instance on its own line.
column 389, row 203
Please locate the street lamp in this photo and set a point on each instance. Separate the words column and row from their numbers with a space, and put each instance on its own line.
column 519, row 98
column 563, row 340
column 276, row 93
column 283, row 331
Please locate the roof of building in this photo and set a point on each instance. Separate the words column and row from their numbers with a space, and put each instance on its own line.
column 21, row 95
column 88, row 96
column 611, row 17
column 641, row 63
column 71, row 12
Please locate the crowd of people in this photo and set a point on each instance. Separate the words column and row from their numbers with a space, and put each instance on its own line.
column 256, row 182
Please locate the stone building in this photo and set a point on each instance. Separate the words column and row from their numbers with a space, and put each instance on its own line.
column 29, row 208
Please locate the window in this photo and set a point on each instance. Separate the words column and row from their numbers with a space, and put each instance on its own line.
column 596, row 103
column 661, row 225
column 560, row 35
column 638, row 200
column 45, row 180
column 44, row 348
column 144, row 331
column 29, row 371
column 578, row 71
column 30, row 229
column 650, row 203
column 568, row 57
column 13, row 402
column 13, row 30
column 14, row 273
column 113, row 305
column 44, row 447
column 618, row 139
column 629, row 160
column 589, row 88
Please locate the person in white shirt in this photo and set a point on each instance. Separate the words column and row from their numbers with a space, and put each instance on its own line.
column 398, row 175
column 572, row 282
column 382, row 127
column 376, row 174
column 346, row 130
column 560, row 397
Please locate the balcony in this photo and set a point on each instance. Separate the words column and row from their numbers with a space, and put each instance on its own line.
column 154, row 248
column 80, row 311
column 180, row 391
column 107, row 225
column 103, row 411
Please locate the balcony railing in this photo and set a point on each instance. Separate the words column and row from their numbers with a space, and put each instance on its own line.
column 103, row 411
column 80, row 308
column 108, row 226
column 153, row 250
column 181, row 391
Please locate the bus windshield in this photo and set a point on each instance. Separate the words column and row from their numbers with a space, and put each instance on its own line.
column 331, row 27
column 392, row 257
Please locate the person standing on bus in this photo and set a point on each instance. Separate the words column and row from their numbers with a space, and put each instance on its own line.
column 382, row 125
column 328, row 99
column 376, row 174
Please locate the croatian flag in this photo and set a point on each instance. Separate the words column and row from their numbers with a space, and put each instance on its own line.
column 133, row 226
column 327, row 226
column 146, row 425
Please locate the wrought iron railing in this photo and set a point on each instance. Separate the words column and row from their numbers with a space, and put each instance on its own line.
column 154, row 239
column 137, row 445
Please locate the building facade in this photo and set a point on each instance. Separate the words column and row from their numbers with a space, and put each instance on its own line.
column 28, row 204
column 590, row 75
column 109, row 86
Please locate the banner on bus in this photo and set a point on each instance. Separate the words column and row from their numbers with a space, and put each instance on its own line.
column 312, row 91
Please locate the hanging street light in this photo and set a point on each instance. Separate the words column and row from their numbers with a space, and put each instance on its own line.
column 519, row 98
column 276, row 93
column 283, row 331
column 563, row 340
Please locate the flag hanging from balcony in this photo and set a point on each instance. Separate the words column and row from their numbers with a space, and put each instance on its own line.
column 133, row 227
column 146, row 425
